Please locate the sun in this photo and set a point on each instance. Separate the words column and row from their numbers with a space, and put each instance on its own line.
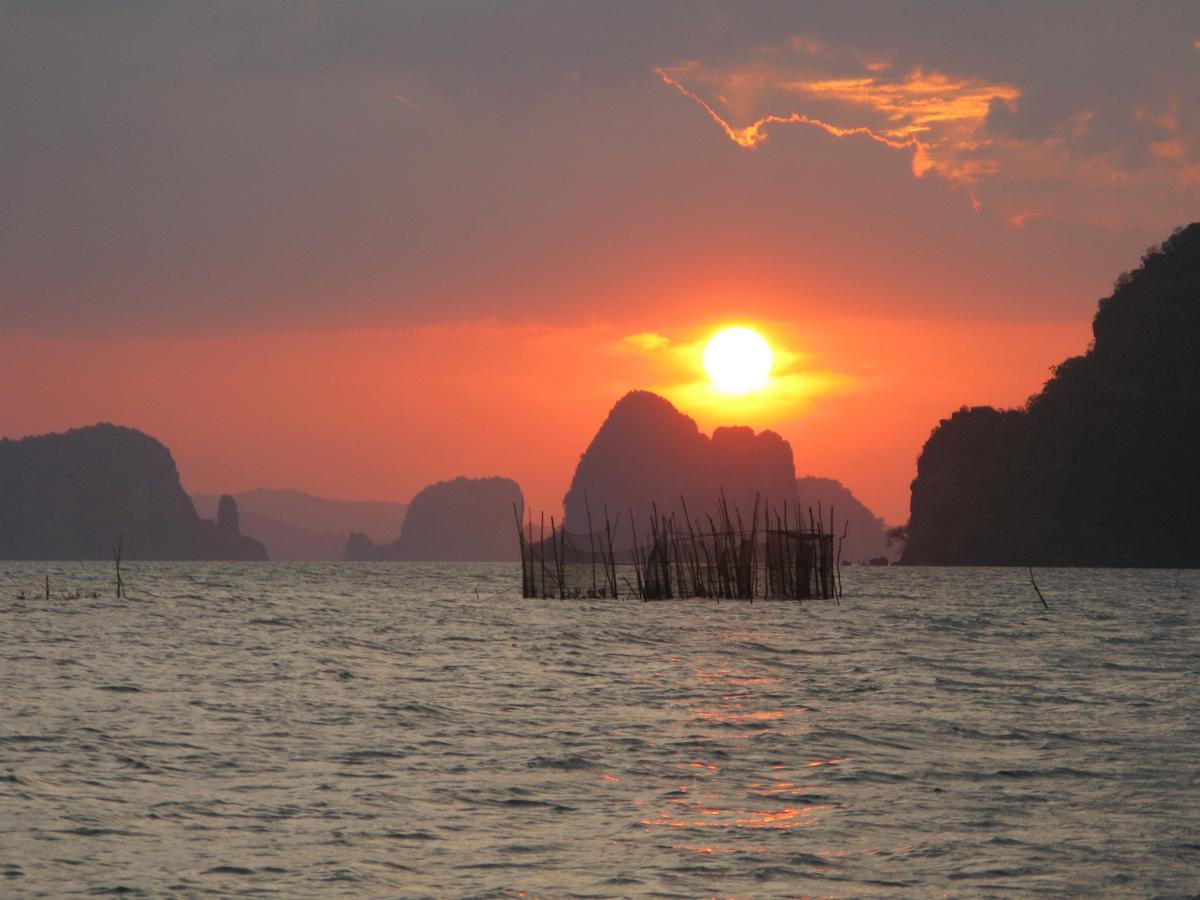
column 738, row 360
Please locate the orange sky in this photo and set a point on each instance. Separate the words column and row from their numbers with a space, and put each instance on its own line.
column 380, row 414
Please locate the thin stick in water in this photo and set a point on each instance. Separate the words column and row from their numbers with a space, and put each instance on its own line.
column 1036, row 588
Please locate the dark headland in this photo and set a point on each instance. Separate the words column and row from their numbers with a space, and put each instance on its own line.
column 74, row 495
column 1101, row 468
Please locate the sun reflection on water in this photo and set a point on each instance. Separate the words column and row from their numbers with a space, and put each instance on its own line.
column 735, row 676
column 721, row 707
column 791, row 817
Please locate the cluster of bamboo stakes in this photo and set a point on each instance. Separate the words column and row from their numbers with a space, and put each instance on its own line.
column 779, row 555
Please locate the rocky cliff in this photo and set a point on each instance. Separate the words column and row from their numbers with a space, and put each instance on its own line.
column 71, row 495
column 1099, row 468
column 648, row 452
column 465, row 519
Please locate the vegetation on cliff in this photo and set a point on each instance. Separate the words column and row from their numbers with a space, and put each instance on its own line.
column 1100, row 467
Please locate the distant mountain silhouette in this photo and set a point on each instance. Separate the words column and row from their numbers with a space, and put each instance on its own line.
column 298, row 526
column 647, row 451
column 865, row 532
column 466, row 519
column 1100, row 468
column 72, row 495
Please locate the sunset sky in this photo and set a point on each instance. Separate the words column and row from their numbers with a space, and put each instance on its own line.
column 356, row 248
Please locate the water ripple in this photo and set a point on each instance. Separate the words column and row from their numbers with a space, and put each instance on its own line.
column 318, row 730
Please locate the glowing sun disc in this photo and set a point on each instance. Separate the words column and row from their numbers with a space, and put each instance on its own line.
column 738, row 360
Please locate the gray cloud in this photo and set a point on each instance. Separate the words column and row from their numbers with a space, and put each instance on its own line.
column 232, row 166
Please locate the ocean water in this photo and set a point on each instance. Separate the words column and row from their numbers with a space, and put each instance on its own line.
column 420, row 730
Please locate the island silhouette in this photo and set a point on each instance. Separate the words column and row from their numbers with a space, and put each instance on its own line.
column 647, row 454
column 294, row 525
column 75, row 495
column 1101, row 467
column 464, row 519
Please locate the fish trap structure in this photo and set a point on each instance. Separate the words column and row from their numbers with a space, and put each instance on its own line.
column 774, row 554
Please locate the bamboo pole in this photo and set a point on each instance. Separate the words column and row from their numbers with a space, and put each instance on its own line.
column 521, row 544
column 591, row 545
column 841, row 541
column 637, row 557
column 611, row 564
column 554, row 551
column 117, row 563
column 534, row 550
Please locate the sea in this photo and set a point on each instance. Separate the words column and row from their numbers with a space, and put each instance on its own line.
column 413, row 730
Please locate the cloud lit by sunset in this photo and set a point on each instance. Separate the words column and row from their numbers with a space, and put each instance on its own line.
column 936, row 117
column 960, row 126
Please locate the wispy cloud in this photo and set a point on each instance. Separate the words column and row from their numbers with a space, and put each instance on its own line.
column 1021, row 219
column 1093, row 161
column 935, row 116
column 755, row 133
